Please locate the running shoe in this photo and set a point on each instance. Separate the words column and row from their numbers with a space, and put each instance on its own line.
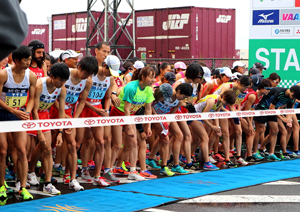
column 211, row 159
column 124, row 166
column 56, row 171
column 218, row 157
column 32, row 179
column 284, row 156
column 111, row 177
column 9, row 190
column 91, row 164
column 288, row 153
column 273, row 158
column 252, row 159
column 66, row 179
column 297, row 153
column 18, row 186
column 3, row 192
column 120, row 171
column 50, row 189
column 74, row 185
column 85, row 175
column 152, row 164
column 135, row 176
column 179, row 170
column 62, row 172
column 258, row 156
column 182, row 159
column 192, row 167
column 209, row 166
column 8, row 175
column 229, row 164
column 127, row 165
column 194, row 158
column 147, row 174
column 264, row 153
column 101, row 182
column 25, row 194
column 79, row 162
column 166, row 171
column 242, row 162
column 42, row 179
column 39, row 164
column 3, row 201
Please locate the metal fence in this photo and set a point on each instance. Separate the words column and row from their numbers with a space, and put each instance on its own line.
column 211, row 63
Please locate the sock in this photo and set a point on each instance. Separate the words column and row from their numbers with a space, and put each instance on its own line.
column 271, row 154
column 206, row 162
column 21, row 188
column 46, row 183
column 56, row 165
column 162, row 167
column 260, row 150
column 150, row 159
column 238, row 157
column 132, row 169
column 96, row 177
column 106, row 170
column 175, row 166
column 189, row 164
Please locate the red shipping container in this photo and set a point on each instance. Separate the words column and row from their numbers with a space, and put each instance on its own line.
column 185, row 32
column 69, row 32
column 38, row 32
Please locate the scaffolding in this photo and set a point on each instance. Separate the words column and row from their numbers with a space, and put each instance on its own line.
column 101, row 31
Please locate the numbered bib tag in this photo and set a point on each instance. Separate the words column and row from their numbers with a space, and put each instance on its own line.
column 97, row 94
column 16, row 100
column 72, row 97
column 45, row 105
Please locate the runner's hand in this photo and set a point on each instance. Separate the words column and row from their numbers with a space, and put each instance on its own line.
column 59, row 140
column 67, row 116
column 102, row 112
column 21, row 115
column 143, row 136
column 148, row 131
column 68, row 131
column 115, row 100
column 41, row 138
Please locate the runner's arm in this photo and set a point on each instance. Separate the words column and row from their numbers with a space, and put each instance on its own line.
column 83, row 97
column 30, row 103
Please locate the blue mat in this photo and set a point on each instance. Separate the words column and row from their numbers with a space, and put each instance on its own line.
column 194, row 185
column 91, row 200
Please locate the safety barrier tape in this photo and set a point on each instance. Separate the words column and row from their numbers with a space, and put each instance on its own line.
column 15, row 126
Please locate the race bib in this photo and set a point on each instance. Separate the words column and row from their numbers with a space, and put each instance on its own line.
column 16, row 100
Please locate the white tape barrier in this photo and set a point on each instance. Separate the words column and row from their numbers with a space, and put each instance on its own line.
column 15, row 126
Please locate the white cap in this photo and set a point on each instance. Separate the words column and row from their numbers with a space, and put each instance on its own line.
column 207, row 74
column 113, row 64
column 138, row 64
column 180, row 65
column 238, row 63
column 236, row 75
column 226, row 71
column 70, row 53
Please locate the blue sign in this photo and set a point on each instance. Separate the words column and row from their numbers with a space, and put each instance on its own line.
column 265, row 17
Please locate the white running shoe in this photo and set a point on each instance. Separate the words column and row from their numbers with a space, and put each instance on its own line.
column 50, row 189
column 85, row 175
column 74, row 185
column 242, row 162
column 101, row 182
column 18, row 186
column 211, row 159
column 135, row 176
column 32, row 179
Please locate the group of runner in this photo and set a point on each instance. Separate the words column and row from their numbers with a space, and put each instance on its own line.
column 38, row 86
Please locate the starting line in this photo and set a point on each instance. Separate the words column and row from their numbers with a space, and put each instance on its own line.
column 148, row 194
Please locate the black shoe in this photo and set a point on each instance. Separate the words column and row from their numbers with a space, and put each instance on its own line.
column 251, row 159
column 193, row 167
column 229, row 164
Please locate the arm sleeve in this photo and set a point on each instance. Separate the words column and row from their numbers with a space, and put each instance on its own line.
column 14, row 27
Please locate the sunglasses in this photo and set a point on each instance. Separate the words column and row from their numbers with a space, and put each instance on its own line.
column 200, row 77
column 277, row 82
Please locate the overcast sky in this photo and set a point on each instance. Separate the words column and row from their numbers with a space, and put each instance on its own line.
column 38, row 10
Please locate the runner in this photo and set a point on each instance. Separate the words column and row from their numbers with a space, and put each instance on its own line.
column 134, row 95
column 102, row 86
column 48, row 89
column 78, row 86
column 70, row 57
column 15, row 82
column 238, row 66
column 180, row 68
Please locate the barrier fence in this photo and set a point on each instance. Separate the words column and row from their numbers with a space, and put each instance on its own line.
column 15, row 126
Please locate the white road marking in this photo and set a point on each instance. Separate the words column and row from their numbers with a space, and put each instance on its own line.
column 281, row 182
column 244, row 199
column 156, row 210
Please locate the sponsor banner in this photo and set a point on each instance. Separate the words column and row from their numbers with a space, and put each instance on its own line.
column 15, row 126
column 282, row 31
column 289, row 17
column 273, row 3
column 265, row 17
column 278, row 55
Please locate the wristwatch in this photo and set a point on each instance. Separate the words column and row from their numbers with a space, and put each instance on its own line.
column 114, row 93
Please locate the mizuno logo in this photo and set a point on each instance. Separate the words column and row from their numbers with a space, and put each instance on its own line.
column 266, row 16
column 175, row 21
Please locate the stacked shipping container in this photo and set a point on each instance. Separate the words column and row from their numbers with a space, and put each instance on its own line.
column 38, row 32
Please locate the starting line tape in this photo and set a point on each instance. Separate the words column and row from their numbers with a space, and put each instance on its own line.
column 16, row 126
